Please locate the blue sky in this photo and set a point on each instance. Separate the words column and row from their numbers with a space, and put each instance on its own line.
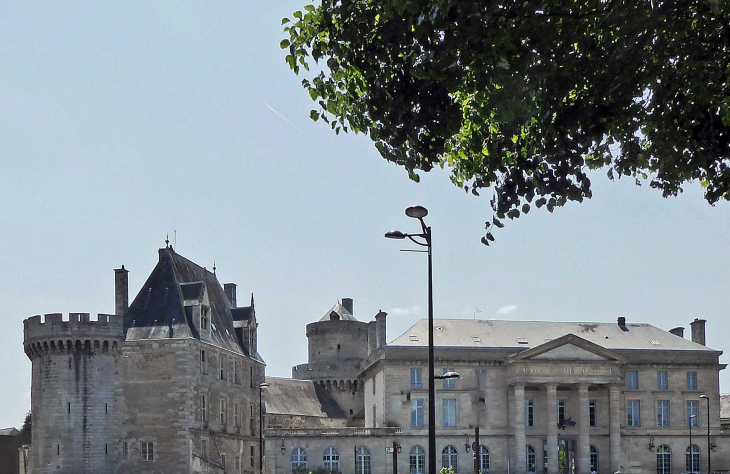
column 123, row 122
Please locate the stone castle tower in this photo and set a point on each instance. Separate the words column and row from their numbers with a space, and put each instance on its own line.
column 337, row 344
column 73, row 393
column 168, row 384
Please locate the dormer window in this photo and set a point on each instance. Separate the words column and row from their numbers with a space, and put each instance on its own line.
column 204, row 318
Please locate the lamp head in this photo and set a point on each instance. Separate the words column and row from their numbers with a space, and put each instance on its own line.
column 705, row 397
column 264, row 385
column 395, row 234
column 451, row 375
column 417, row 212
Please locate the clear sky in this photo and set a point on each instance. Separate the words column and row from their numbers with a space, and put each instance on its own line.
column 121, row 122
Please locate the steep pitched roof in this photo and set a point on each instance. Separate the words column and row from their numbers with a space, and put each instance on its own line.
column 300, row 397
column 468, row 333
column 158, row 311
column 9, row 432
column 341, row 313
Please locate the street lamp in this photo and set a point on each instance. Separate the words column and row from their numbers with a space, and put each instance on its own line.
column 419, row 212
column 262, row 387
column 709, row 445
column 691, row 447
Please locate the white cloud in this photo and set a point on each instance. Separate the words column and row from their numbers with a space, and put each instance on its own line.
column 507, row 309
column 405, row 311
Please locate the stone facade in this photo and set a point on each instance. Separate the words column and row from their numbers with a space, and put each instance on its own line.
column 168, row 385
column 545, row 397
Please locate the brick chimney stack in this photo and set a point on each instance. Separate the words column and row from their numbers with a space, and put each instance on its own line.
column 678, row 331
column 230, row 290
column 698, row 331
column 121, row 291
column 347, row 304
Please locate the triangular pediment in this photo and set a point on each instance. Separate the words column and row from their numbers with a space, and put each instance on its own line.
column 570, row 347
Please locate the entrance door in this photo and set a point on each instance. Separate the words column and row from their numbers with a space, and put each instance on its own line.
column 566, row 456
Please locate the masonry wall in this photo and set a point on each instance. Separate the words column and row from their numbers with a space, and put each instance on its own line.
column 73, row 396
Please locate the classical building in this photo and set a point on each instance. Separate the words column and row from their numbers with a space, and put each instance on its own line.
column 547, row 397
column 169, row 384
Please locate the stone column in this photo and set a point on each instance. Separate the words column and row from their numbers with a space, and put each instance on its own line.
column 519, row 421
column 584, row 442
column 614, row 426
column 552, row 428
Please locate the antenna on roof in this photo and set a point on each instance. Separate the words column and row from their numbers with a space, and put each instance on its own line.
column 167, row 241
column 174, row 239
column 213, row 266
column 476, row 310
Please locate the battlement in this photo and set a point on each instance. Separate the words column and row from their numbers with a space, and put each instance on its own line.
column 78, row 326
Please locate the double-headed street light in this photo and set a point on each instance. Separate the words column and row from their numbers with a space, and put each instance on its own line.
column 419, row 212
column 709, row 445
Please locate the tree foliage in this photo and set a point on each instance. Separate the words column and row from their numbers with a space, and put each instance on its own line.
column 527, row 96
column 26, row 431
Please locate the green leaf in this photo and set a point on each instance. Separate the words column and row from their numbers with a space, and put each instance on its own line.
column 314, row 115
column 284, row 44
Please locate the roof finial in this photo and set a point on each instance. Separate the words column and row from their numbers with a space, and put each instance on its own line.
column 167, row 241
column 213, row 266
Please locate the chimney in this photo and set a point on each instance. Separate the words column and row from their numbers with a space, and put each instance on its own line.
column 121, row 291
column 678, row 331
column 698, row 331
column 372, row 338
column 622, row 322
column 347, row 304
column 380, row 328
column 230, row 289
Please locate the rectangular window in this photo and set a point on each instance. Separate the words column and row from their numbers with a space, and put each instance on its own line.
column 691, row 380
column 417, row 413
column 662, row 380
column 449, row 383
column 235, row 414
column 204, row 448
column 633, row 414
column 106, row 448
column 529, row 413
column 632, row 379
column 250, row 380
column 223, row 460
column 416, row 378
column 223, row 412
column 236, row 378
column 222, row 365
column 125, row 449
column 252, row 458
column 693, row 412
column 373, row 385
column 662, row 413
column 592, row 413
column 561, row 411
column 375, row 417
column 448, row 412
column 147, row 450
column 203, row 408
column 238, row 463
column 204, row 318
column 203, row 364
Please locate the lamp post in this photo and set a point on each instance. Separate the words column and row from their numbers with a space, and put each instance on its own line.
column 419, row 212
column 691, row 447
column 261, row 428
column 709, row 445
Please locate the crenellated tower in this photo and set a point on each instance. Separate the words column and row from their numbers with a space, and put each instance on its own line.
column 74, row 378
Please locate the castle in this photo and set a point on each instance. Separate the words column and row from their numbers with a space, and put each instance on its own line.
column 169, row 384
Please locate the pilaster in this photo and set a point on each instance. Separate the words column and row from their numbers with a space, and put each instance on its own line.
column 584, row 442
column 552, row 428
column 519, row 422
column 614, row 426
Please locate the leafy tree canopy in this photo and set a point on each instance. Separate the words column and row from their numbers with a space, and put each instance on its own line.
column 527, row 96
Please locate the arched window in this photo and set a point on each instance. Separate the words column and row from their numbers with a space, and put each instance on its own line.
column 483, row 459
column 530, row 459
column 331, row 460
column 663, row 460
column 298, row 460
column 363, row 460
column 692, row 459
column 418, row 460
column 594, row 458
column 450, row 458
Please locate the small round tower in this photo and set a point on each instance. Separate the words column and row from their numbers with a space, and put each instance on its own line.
column 73, row 392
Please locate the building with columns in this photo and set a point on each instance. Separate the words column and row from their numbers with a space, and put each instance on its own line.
column 546, row 397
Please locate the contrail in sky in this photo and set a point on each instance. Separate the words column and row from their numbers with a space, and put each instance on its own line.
column 285, row 119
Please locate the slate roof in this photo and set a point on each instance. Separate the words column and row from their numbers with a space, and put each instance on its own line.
column 300, row 397
column 158, row 311
column 341, row 311
column 463, row 333
column 9, row 432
